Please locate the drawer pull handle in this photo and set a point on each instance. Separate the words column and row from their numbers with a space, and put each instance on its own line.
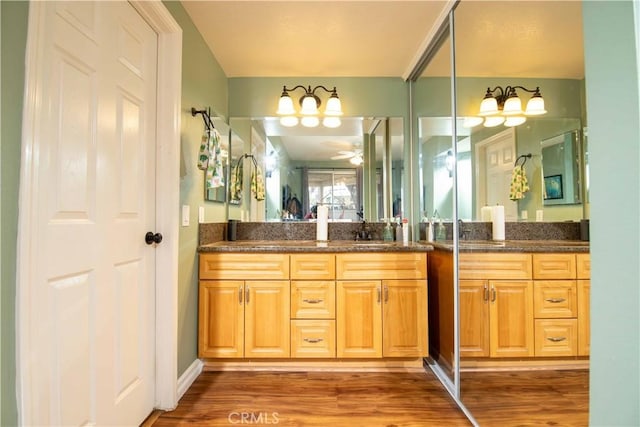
column 313, row 340
column 248, row 294
column 556, row 339
column 379, row 294
column 240, row 294
column 555, row 300
column 313, row 301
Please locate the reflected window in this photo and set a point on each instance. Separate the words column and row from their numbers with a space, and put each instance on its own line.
column 336, row 189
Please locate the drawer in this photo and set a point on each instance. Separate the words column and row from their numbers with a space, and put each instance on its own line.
column 583, row 266
column 554, row 266
column 244, row 266
column 555, row 299
column 313, row 299
column 313, row 266
column 478, row 266
column 556, row 337
column 313, row 338
column 380, row 266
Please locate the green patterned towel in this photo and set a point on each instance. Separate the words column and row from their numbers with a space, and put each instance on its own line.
column 519, row 183
column 235, row 186
column 215, row 174
column 257, row 183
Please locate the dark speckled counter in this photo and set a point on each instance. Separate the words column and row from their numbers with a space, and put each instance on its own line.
column 526, row 246
column 288, row 246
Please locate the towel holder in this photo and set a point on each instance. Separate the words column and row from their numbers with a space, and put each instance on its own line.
column 206, row 117
column 525, row 157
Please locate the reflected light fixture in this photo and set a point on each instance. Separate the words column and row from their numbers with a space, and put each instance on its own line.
column 503, row 106
column 309, row 108
column 356, row 160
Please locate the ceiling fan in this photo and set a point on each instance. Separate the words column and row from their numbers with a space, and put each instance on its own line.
column 347, row 154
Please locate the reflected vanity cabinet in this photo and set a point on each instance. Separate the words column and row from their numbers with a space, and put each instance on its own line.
column 312, row 305
column 524, row 305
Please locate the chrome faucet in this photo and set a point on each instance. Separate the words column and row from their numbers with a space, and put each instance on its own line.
column 462, row 231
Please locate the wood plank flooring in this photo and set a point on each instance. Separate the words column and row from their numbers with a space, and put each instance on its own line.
column 315, row 399
column 326, row 399
column 527, row 398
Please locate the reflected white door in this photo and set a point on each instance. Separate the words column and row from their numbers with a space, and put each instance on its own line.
column 498, row 157
column 92, row 284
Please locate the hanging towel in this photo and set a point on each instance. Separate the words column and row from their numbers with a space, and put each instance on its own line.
column 235, row 185
column 257, row 183
column 203, row 155
column 215, row 174
column 519, row 184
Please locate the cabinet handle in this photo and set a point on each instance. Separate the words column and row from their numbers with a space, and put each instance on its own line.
column 313, row 340
column 493, row 294
column 555, row 300
column 247, row 292
column 486, row 293
column 240, row 294
column 378, row 292
column 312, row 301
column 386, row 293
column 556, row 339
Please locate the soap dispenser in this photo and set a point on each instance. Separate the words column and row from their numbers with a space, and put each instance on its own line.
column 387, row 233
column 441, row 231
column 398, row 230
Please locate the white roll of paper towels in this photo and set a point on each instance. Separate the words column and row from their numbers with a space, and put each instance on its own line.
column 497, row 222
column 321, row 222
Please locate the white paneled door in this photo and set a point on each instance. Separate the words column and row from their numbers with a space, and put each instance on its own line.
column 497, row 161
column 92, row 287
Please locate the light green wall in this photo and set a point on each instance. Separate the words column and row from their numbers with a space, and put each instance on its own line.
column 14, row 37
column 614, row 135
column 204, row 84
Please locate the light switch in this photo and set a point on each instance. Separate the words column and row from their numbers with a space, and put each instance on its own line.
column 185, row 215
column 201, row 214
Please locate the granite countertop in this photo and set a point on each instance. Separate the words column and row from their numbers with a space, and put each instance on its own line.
column 527, row 246
column 276, row 246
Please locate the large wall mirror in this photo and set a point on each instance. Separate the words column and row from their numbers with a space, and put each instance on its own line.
column 355, row 169
column 541, row 47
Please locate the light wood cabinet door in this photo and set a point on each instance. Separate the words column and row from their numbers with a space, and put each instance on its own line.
column 474, row 318
column 221, row 319
column 267, row 323
column 584, row 316
column 511, row 318
column 404, row 318
column 359, row 319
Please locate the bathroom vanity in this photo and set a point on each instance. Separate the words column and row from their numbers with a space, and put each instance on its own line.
column 306, row 301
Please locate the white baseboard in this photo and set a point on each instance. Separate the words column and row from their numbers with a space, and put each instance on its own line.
column 188, row 377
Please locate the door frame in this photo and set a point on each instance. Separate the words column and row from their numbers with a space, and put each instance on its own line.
column 480, row 168
column 167, row 199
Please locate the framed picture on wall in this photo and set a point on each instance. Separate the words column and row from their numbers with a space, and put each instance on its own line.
column 553, row 187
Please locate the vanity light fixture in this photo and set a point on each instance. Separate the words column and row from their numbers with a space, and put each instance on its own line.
column 503, row 106
column 310, row 104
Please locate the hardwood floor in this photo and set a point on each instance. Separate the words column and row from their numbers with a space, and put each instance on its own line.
column 325, row 399
column 319, row 399
column 527, row 398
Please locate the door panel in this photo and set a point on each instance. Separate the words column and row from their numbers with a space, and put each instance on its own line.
column 267, row 321
column 359, row 331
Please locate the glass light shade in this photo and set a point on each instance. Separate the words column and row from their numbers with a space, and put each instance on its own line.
column 309, row 106
column 535, row 106
column 356, row 160
column 289, row 121
column 493, row 121
column 515, row 121
column 331, row 122
column 512, row 106
column 310, row 121
column 285, row 106
column 488, row 107
column 334, row 107
column 470, row 122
